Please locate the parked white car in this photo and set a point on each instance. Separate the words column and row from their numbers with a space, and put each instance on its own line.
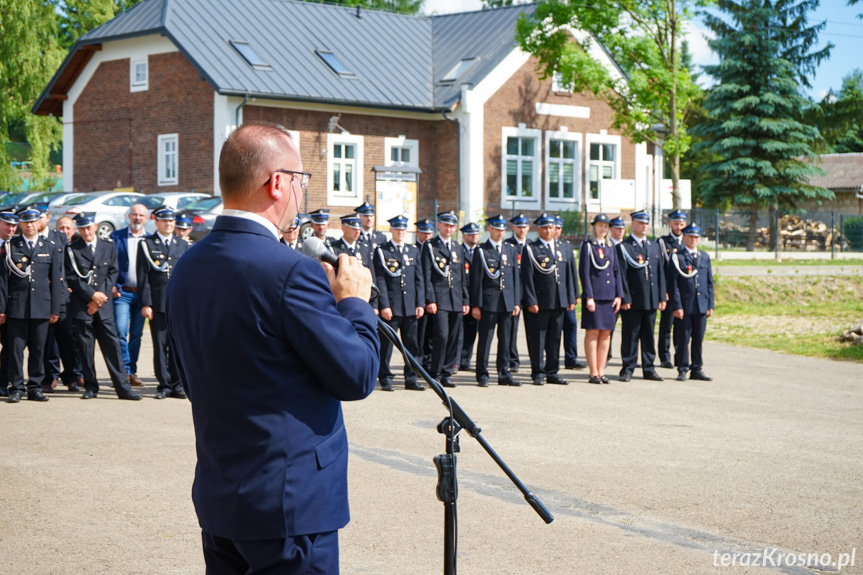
column 177, row 201
column 109, row 209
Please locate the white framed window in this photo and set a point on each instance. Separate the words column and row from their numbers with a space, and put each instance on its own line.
column 603, row 162
column 558, row 85
column 401, row 152
column 563, row 160
column 168, row 159
column 344, row 169
column 521, row 162
column 138, row 75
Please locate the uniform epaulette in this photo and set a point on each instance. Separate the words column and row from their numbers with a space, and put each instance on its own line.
column 107, row 240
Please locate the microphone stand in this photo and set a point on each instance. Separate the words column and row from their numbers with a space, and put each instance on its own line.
column 447, row 486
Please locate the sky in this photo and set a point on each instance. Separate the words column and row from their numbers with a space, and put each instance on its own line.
column 843, row 29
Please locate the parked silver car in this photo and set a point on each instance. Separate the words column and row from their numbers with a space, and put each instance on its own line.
column 178, row 201
column 109, row 209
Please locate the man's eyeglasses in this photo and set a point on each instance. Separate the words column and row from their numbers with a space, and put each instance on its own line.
column 304, row 178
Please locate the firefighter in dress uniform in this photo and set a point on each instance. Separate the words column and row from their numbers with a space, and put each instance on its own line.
column 670, row 243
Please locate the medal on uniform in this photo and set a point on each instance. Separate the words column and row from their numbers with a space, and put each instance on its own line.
column 503, row 258
column 601, row 253
column 157, row 263
column 690, row 268
column 518, row 258
column 559, row 256
column 23, row 259
column 466, row 268
column 455, row 258
column 640, row 259
column 360, row 257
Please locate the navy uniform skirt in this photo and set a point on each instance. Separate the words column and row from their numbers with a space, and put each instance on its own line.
column 602, row 318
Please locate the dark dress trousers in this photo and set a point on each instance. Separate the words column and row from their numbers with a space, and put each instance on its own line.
column 468, row 324
column 495, row 288
column 446, row 286
column 424, row 334
column 61, row 345
column 601, row 285
column 266, row 360
column 89, row 272
column 670, row 244
column 644, row 288
column 548, row 281
column 694, row 296
column 400, row 282
column 514, row 361
column 154, row 264
column 30, row 301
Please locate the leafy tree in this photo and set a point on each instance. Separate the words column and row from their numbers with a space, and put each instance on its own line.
column 644, row 37
column 839, row 116
column 400, row 6
column 754, row 122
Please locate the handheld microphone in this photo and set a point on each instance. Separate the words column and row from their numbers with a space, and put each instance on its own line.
column 315, row 248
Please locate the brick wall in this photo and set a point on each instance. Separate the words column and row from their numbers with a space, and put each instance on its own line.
column 437, row 152
column 116, row 130
column 515, row 103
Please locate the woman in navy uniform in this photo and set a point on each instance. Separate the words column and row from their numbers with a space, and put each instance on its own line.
column 602, row 290
column 690, row 292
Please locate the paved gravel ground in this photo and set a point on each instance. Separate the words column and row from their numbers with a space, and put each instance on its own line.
column 642, row 477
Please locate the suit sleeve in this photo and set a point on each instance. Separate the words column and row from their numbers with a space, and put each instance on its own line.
column 516, row 277
column 56, row 285
column 675, row 302
column 476, row 279
column 80, row 288
column 710, row 302
column 420, row 282
column 426, row 259
column 584, row 270
column 627, row 296
column 573, row 275
column 663, row 288
column 380, row 281
column 344, row 356
column 121, row 277
column 4, row 282
column 527, row 286
column 465, row 294
column 618, row 280
column 142, row 270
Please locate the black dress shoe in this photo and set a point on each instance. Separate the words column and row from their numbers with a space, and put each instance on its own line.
column 178, row 394
column 14, row 397
column 625, row 377
column 603, row 379
column 505, row 380
column 131, row 396
column 47, row 389
column 89, row 395
column 415, row 387
column 653, row 376
column 556, row 379
column 576, row 365
column 538, row 381
column 482, row 382
column 161, row 394
column 386, row 386
column 699, row 375
column 446, row 382
column 681, row 376
column 594, row 379
column 513, row 369
column 4, row 393
column 667, row 365
column 36, row 395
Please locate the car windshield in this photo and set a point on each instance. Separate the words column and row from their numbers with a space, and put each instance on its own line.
column 204, row 204
column 78, row 199
column 12, row 199
column 151, row 201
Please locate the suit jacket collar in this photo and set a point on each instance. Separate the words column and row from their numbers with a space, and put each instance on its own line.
column 234, row 224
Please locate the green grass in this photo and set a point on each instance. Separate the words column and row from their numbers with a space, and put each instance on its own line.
column 788, row 262
column 793, row 314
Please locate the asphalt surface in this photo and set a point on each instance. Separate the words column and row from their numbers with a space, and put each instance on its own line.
column 642, row 477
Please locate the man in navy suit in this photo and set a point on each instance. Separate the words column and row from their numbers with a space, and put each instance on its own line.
column 690, row 292
column 127, row 305
column 270, row 485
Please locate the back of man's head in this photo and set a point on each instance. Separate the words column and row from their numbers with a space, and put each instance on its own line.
column 251, row 154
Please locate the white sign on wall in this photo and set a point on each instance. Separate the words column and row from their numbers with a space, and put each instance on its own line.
column 616, row 195
column 665, row 188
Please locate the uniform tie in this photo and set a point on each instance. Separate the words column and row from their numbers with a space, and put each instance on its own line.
column 92, row 248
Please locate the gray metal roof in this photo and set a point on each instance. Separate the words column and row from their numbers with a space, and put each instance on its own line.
column 398, row 61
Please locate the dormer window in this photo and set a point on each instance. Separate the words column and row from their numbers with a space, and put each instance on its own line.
column 249, row 55
column 335, row 64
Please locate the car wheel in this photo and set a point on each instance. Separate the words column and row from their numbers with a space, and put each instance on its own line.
column 306, row 231
column 104, row 230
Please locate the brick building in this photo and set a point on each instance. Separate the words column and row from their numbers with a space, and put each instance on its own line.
column 404, row 111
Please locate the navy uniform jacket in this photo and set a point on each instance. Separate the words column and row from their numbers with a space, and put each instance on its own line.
column 468, row 261
column 399, row 279
column 40, row 295
column 361, row 250
column 554, row 290
column 603, row 285
column 693, row 295
column 670, row 244
column 298, row 247
column 103, row 264
column 644, row 288
column 376, row 239
column 449, row 292
column 153, row 283
column 266, row 360
column 492, row 294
